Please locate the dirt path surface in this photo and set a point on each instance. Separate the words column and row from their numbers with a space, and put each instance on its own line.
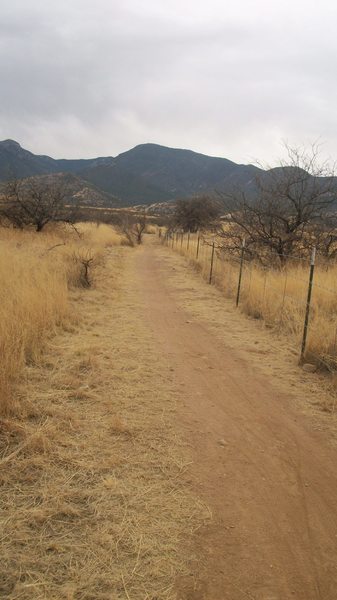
column 268, row 476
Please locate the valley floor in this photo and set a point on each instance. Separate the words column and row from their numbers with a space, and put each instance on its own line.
column 173, row 450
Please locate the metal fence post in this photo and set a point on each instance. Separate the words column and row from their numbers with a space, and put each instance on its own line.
column 211, row 267
column 240, row 272
column 307, row 309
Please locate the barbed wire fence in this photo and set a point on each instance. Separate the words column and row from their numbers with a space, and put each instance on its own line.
column 299, row 299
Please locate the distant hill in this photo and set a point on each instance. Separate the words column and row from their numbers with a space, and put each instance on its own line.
column 17, row 162
column 82, row 192
column 183, row 172
column 150, row 173
column 131, row 188
column 147, row 174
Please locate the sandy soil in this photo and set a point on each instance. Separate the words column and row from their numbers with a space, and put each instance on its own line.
column 264, row 460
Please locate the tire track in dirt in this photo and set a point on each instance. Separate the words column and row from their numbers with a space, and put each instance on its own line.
column 268, row 478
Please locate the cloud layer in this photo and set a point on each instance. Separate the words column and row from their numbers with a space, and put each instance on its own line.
column 82, row 78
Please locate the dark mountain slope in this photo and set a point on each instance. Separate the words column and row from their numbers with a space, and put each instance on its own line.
column 78, row 165
column 182, row 172
column 123, row 183
column 151, row 173
column 17, row 162
column 146, row 174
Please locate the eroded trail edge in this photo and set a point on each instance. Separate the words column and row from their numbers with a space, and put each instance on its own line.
column 268, row 477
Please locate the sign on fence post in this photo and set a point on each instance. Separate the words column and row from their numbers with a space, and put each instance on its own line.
column 240, row 272
column 211, row 267
column 307, row 309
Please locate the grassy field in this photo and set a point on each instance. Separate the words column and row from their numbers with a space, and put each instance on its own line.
column 278, row 297
column 36, row 273
column 94, row 504
column 96, row 493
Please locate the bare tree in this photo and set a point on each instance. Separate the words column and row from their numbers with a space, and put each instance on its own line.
column 139, row 227
column 287, row 209
column 324, row 235
column 35, row 202
column 193, row 214
column 132, row 226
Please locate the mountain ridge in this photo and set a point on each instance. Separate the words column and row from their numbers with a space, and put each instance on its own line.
column 145, row 174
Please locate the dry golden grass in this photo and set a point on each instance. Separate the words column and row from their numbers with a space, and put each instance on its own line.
column 36, row 272
column 151, row 229
column 99, row 235
column 94, row 504
column 279, row 297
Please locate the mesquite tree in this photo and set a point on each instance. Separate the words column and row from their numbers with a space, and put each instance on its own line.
column 193, row 214
column 35, row 202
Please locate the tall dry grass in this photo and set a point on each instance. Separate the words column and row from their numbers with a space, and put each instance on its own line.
column 36, row 272
column 278, row 297
column 95, row 502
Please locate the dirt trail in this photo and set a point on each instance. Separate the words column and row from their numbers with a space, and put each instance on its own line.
column 268, row 477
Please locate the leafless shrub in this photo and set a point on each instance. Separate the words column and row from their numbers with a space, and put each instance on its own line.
column 85, row 259
column 132, row 227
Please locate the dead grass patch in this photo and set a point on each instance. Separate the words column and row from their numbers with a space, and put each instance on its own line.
column 37, row 270
column 94, row 503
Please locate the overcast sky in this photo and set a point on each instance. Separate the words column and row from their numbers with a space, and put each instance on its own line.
column 82, row 78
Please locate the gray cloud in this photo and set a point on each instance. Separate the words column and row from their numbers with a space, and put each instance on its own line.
column 82, row 78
